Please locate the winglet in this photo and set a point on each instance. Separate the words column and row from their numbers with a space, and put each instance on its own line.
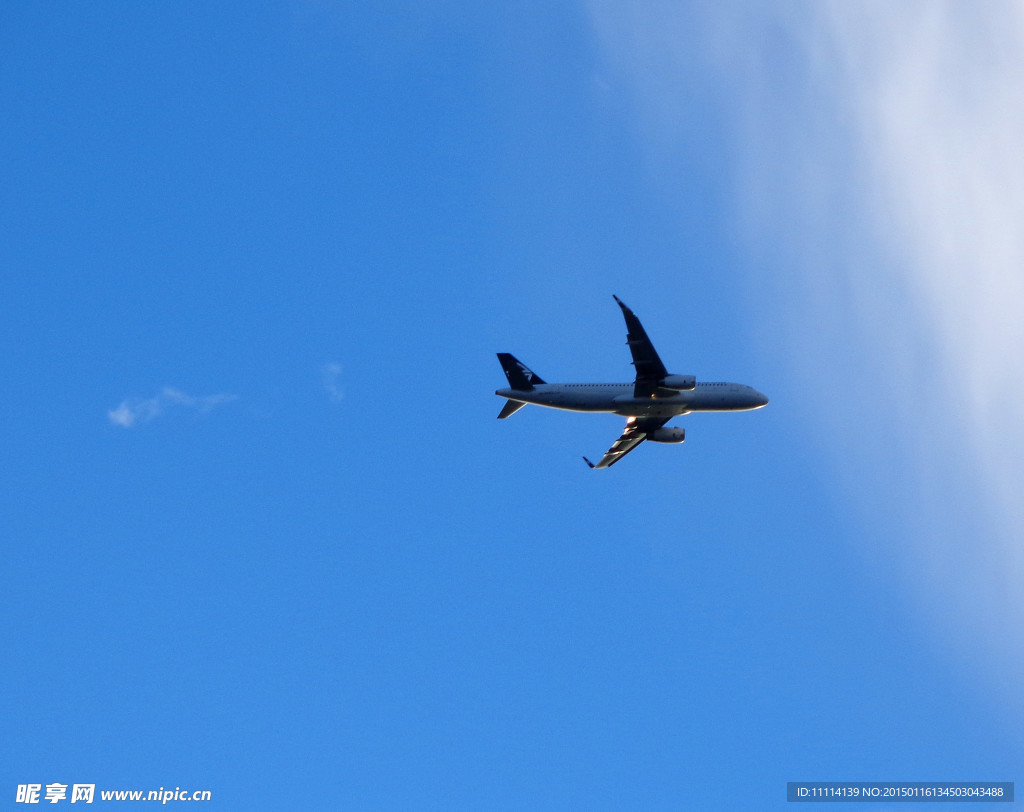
column 588, row 462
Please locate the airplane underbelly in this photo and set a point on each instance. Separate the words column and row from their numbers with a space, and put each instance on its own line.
column 577, row 402
column 718, row 404
column 587, row 404
column 650, row 407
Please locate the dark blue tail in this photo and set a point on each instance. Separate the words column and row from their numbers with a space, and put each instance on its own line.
column 519, row 375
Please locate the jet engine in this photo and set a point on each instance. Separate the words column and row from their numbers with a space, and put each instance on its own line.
column 667, row 435
column 682, row 383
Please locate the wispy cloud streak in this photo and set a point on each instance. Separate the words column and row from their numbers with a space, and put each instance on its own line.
column 880, row 180
column 135, row 411
column 331, row 376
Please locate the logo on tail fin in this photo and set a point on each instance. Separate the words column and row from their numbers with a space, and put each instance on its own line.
column 519, row 375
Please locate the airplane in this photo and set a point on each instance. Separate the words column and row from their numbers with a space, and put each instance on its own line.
column 654, row 398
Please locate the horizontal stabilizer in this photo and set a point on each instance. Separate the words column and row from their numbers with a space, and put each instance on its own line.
column 510, row 408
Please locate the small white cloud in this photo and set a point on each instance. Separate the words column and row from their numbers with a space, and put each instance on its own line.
column 331, row 374
column 141, row 410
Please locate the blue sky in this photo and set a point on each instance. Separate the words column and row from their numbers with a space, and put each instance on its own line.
column 265, row 534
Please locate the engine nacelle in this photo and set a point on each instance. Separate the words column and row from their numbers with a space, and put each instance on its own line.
column 667, row 435
column 681, row 383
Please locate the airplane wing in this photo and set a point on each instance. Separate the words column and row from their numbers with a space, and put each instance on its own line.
column 650, row 371
column 637, row 429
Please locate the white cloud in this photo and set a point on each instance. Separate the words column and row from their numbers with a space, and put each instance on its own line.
column 331, row 377
column 134, row 411
column 880, row 181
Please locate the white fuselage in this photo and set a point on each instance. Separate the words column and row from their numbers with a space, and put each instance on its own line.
column 618, row 398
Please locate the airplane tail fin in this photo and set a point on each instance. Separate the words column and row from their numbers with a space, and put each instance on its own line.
column 510, row 408
column 519, row 375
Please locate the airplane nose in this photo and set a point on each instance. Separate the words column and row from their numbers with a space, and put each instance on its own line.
column 761, row 399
